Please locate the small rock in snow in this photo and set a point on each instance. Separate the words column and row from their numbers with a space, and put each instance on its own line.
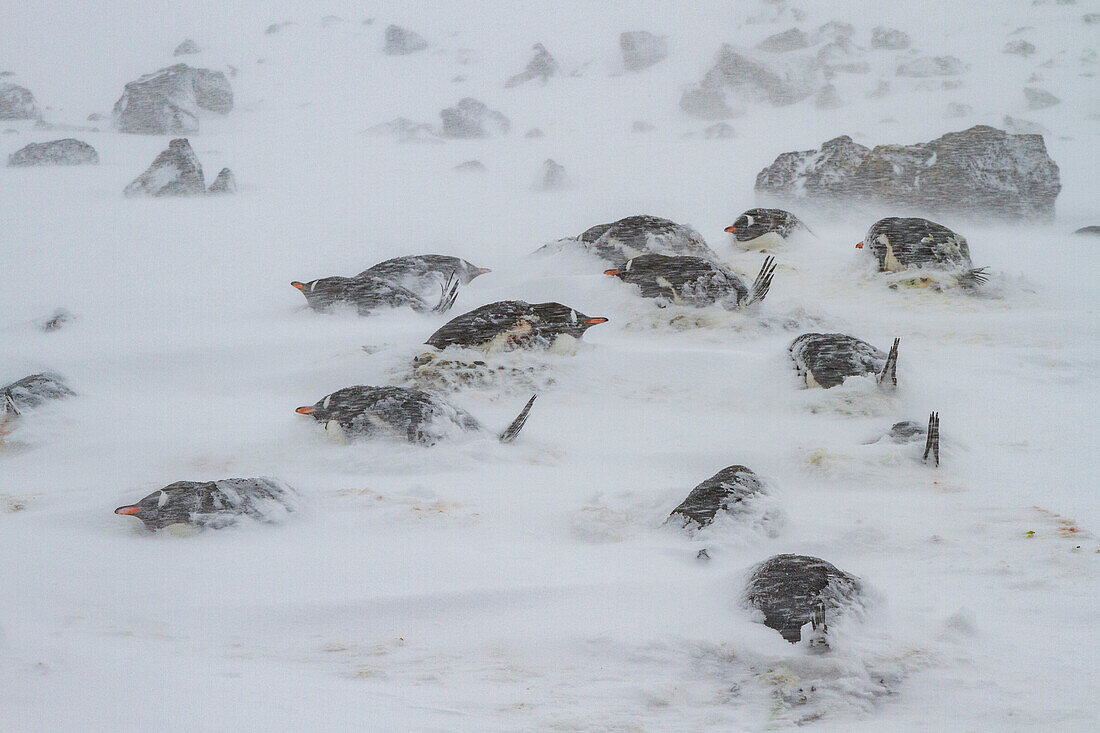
column 889, row 39
column 468, row 119
column 401, row 41
column 186, row 48
column 719, row 131
column 1039, row 98
column 791, row 39
column 55, row 152
column 932, row 66
column 470, row 166
column 542, row 66
column 226, row 182
column 551, row 177
column 175, row 172
column 1019, row 47
column 641, row 49
column 16, row 103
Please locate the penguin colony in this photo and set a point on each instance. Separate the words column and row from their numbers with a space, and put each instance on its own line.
column 796, row 595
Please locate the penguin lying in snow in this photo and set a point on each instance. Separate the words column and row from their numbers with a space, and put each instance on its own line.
column 633, row 236
column 420, row 273
column 404, row 413
column 901, row 244
column 693, row 281
column 513, row 324
column 1092, row 230
column 793, row 590
column 213, row 504
column 28, row 393
column 369, row 294
column 827, row 359
column 909, row 431
column 724, row 491
column 753, row 227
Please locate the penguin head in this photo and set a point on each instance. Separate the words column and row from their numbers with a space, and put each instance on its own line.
column 163, row 507
column 748, row 226
column 567, row 320
column 323, row 292
column 471, row 271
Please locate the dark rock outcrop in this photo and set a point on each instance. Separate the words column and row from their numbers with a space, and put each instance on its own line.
column 469, row 118
column 167, row 102
column 226, row 182
column 401, row 41
column 175, row 172
column 16, row 103
column 542, row 66
column 981, row 172
column 641, row 49
column 55, row 152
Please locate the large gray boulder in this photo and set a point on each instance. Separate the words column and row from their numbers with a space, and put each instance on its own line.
column 982, row 172
column 542, row 66
column 641, row 49
column 472, row 119
column 55, row 152
column 16, row 103
column 167, row 102
column 401, row 41
column 175, row 172
column 752, row 76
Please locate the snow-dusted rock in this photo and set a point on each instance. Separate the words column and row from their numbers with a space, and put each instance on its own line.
column 758, row 76
column 186, row 48
column 1039, row 98
column 401, row 41
column 889, row 39
column 16, row 103
column 828, row 98
column 470, row 118
column 641, row 49
column 706, row 104
column 1023, row 127
column 405, row 130
column 551, row 177
column 55, row 152
column 841, row 56
column 167, row 102
column 834, row 30
column 175, row 172
column 958, row 109
column 981, row 172
column 1019, row 47
column 542, row 66
column 470, row 166
column 791, row 39
column 932, row 66
column 226, row 182
column 276, row 27
column 534, row 133
column 719, row 131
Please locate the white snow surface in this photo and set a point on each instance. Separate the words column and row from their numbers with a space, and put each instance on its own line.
column 476, row 586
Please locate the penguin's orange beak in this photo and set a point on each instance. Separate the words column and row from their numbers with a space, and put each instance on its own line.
column 859, row 246
column 306, row 410
column 611, row 272
column 300, row 286
column 731, row 230
column 128, row 510
column 595, row 321
column 483, row 270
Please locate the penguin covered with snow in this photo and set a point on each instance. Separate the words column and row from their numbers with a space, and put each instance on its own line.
column 621, row 240
column 910, row 431
column 900, row 244
column 214, row 504
column 400, row 413
column 514, row 324
column 794, row 590
column 369, row 294
column 762, row 228
column 28, row 393
column 729, row 490
column 827, row 359
column 420, row 273
column 693, row 281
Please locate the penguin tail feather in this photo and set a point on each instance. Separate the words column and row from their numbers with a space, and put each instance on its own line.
column 889, row 374
column 932, row 441
column 448, row 295
column 763, row 282
column 512, row 430
column 973, row 278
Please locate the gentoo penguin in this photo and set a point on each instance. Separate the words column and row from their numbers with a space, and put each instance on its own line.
column 369, row 294
column 214, row 504
column 827, row 359
column 760, row 228
column 403, row 413
column 1089, row 230
column 793, row 590
column 27, row 393
column 728, row 490
column 513, row 324
column 901, row 244
column 910, row 431
column 420, row 273
column 619, row 241
column 693, row 281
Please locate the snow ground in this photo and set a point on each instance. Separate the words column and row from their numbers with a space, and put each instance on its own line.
column 475, row 586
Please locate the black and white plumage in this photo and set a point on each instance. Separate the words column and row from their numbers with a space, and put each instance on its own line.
column 724, row 491
column 513, row 324
column 28, row 393
column 827, row 359
column 793, row 590
column 424, row 273
column 906, row 243
column 214, row 504
column 753, row 224
column 633, row 236
column 1091, row 230
column 693, row 281
column 369, row 294
column 401, row 413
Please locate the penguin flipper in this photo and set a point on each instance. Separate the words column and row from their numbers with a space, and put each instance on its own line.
column 932, row 440
column 889, row 374
column 448, row 295
column 763, row 282
column 512, row 430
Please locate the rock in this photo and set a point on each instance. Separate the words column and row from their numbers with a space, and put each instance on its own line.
column 641, row 126
column 719, row 131
column 1023, row 127
column 94, row 117
column 405, row 130
column 330, row 20
column 834, row 30
column 551, row 177
column 541, row 67
column 401, row 42
column 841, row 57
column 1091, row 18
column 59, row 318
column 470, row 166
column 16, row 103
column 186, row 48
column 889, row 39
column 533, row 133
column 1090, row 231
column 276, row 27
column 468, row 118
column 1019, row 47
column 932, row 66
column 226, row 182
column 880, row 91
column 167, row 102
column 778, row 79
column 175, row 172
column 706, row 104
column 791, row 39
column 1039, row 98
column 55, row 152
column 982, row 172
column 828, row 98
column 958, row 109
column 33, row 391
column 641, row 49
